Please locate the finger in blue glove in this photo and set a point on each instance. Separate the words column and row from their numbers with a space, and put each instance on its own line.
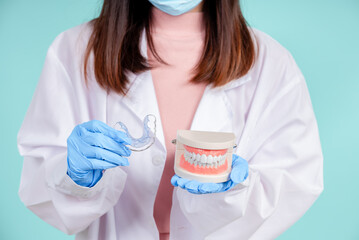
column 100, row 127
column 239, row 171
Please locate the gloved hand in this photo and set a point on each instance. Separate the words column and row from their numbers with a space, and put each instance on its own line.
column 238, row 174
column 93, row 147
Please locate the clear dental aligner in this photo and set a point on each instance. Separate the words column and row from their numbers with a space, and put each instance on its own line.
column 148, row 136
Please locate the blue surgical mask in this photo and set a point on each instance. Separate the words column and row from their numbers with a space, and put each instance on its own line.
column 175, row 7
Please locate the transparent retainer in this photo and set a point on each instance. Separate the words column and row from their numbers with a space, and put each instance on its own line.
column 148, row 136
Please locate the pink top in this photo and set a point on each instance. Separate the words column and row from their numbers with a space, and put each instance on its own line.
column 179, row 42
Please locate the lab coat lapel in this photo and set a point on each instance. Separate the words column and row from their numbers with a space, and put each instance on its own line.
column 215, row 111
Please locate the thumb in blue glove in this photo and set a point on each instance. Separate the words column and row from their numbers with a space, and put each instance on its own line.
column 238, row 174
column 93, row 147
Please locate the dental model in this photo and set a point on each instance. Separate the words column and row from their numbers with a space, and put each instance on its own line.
column 148, row 136
column 204, row 156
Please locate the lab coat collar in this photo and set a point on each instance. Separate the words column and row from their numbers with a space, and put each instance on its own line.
column 214, row 112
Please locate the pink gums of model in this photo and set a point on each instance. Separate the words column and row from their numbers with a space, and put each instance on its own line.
column 202, row 161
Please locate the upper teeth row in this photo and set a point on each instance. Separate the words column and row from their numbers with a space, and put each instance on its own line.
column 204, row 160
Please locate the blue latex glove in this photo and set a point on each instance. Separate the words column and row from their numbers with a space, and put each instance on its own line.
column 238, row 174
column 93, row 147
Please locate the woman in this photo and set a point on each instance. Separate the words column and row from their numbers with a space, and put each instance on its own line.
column 194, row 65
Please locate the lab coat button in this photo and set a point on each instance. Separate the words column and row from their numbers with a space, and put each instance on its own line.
column 157, row 160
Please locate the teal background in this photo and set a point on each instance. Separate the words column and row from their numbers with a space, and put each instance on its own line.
column 322, row 35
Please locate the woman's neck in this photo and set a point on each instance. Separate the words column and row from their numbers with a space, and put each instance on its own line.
column 186, row 24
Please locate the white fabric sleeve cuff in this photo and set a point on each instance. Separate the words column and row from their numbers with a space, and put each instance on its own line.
column 63, row 183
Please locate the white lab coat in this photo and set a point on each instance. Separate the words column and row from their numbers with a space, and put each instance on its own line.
column 269, row 110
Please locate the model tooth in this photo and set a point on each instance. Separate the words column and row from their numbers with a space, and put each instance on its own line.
column 215, row 164
column 191, row 160
column 215, row 159
column 198, row 157
column 210, row 159
column 203, row 159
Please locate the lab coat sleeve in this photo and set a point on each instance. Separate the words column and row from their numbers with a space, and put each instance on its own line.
column 285, row 173
column 58, row 105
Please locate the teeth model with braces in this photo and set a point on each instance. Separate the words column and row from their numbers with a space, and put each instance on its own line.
column 204, row 156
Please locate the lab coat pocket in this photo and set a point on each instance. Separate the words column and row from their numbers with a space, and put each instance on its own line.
column 211, row 212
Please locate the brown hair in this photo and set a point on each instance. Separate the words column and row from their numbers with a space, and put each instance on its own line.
column 228, row 49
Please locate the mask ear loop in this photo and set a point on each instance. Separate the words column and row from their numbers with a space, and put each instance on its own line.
column 148, row 136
